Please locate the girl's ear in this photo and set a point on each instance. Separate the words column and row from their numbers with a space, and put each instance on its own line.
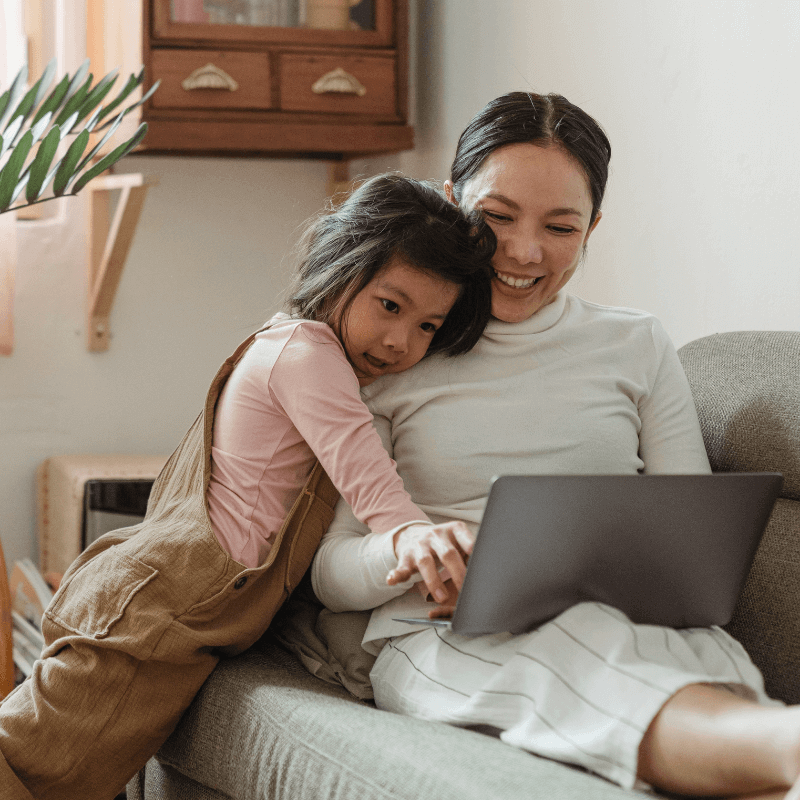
column 448, row 191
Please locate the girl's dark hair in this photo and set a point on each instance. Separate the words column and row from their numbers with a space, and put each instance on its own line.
column 525, row 117
column 393, row 216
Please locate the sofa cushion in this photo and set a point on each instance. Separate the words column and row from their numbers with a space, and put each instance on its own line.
column 262, row 728
column 766, row 620
column 746, row 387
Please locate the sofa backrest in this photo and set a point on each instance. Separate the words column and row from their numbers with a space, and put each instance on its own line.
column 746, row 387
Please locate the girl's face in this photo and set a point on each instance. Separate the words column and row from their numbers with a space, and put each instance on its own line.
column 390, row 323
column 537, row 201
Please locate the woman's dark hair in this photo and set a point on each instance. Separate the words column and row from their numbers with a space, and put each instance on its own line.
column 525, row 117
column 393, row 216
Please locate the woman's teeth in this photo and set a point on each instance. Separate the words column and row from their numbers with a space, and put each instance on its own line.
column 517, row 283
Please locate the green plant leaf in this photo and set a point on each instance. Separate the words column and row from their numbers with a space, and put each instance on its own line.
column 10, row 133
column 20, row 186
column 96, row 149
column 41, row 164
column 40, row 127
column 92, row 121
column 9, row 176
column 67, row 126
column 44, row 82
column 112, row 158
column 66, row 172
column 136, row 104
column 77, row 78
column 96, row 95
column 14, row 93
column 74, row 103
column 36, row 131
column 25, row 106
column 54, row 100
column 133, row 82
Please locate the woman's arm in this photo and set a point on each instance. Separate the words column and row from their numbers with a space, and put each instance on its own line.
column 670, row 440
column 351, row 564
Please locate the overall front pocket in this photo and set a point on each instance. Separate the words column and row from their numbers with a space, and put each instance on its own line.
column 96, row 597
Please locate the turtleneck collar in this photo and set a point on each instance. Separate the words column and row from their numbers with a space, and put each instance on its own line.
column 542, row 320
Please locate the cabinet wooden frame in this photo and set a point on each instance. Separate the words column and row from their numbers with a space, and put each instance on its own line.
column 165, row 31
column 270, row 128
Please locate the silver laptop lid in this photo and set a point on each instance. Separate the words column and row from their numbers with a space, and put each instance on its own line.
column 666, row 549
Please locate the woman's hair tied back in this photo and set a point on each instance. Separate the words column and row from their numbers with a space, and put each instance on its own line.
column 527, row 117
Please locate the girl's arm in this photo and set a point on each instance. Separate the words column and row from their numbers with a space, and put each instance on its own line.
column 313, row 384
column 350, row 568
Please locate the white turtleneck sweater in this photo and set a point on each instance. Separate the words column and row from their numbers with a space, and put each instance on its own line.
column 578, row 388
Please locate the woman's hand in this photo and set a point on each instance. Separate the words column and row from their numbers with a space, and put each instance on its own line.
column 445, row 610
column 427, row 548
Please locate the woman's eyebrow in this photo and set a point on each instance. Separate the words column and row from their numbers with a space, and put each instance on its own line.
column 503, row 199
column 565, row 212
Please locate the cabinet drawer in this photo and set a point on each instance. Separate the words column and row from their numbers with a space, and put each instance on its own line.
column 215, row 73
column 316, row 83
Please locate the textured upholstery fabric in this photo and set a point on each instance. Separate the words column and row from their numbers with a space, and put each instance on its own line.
column 767, row 616
column 264, row 728
column 746, row 387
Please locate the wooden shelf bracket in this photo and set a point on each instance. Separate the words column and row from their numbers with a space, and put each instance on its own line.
column 109, row 245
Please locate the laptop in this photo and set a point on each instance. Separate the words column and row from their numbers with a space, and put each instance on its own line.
column 671, row 550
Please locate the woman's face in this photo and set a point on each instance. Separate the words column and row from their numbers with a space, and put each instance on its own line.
column 537, row 201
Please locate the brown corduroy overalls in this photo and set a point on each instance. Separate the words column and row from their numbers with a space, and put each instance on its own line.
column 140, row 621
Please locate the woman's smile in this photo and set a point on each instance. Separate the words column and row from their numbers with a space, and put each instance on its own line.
column 517, row 282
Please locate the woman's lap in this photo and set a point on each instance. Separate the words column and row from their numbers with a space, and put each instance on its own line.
column 581, row 689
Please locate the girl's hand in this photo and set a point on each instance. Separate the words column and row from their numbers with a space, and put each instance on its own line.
column 427, row 548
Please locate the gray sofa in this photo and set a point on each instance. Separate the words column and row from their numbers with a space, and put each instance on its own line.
column 264, row 728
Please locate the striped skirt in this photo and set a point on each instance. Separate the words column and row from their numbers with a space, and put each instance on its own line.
column 581, row 689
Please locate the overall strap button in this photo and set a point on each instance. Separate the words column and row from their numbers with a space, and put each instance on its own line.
column 239, row 583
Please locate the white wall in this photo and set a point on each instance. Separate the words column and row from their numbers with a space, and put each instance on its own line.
column 699, row 100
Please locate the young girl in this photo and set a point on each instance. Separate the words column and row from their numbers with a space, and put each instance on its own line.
column 144, row 614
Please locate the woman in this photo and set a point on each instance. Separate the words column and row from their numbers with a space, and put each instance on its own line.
column 556, row 385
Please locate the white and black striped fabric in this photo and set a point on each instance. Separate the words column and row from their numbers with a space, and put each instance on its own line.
column 582, row 689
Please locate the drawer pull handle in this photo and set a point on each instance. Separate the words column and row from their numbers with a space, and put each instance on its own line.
column 210, row 77
column 338, row 82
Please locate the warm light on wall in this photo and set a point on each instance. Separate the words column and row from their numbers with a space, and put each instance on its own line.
column 8, row 263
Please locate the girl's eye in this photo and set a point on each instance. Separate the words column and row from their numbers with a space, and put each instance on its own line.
column 429, row 327
column 561, row 229
column 390, row 306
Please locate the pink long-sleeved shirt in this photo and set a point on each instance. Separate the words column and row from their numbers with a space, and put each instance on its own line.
column 291, row 399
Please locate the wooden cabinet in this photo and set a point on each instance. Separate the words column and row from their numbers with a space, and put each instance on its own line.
column 325, row 78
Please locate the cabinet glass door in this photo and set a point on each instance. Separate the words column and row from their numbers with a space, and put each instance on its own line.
column 335, row 15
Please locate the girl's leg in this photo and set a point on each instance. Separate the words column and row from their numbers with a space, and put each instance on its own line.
column 708, row 741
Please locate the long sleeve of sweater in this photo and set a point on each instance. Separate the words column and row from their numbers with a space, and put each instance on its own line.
column 577, row 389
